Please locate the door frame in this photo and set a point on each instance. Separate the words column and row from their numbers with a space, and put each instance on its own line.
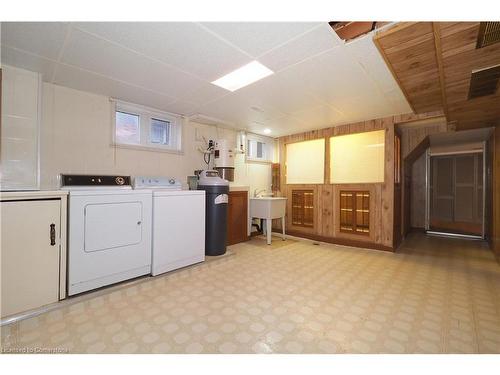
column 428, row 155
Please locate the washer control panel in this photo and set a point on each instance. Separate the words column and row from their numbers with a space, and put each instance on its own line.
column 156, row 182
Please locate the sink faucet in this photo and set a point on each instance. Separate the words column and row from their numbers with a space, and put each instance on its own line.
column 257, row 192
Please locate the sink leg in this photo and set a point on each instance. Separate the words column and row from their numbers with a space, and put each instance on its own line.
column 269, row 224
column 263, row 223
column 283, row 228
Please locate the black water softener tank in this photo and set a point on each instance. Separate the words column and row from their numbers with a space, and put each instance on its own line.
column 216, row 198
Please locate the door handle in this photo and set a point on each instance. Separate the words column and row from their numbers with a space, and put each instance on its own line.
column 52, row 234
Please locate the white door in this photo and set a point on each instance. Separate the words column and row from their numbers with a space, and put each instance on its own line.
column 112, row 225
column 30, row 257
column 178, row 230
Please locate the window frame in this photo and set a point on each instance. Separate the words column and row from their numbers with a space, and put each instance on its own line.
column 146, row 115
column 268, row 149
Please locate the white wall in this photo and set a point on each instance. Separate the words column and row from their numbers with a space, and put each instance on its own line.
column 76, row 136
column 20, row 110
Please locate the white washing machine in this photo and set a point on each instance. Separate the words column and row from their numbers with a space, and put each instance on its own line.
column 178, row 223
column 109, row 231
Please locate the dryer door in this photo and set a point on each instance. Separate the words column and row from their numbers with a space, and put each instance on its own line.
column 109, row 239
column 112, row 225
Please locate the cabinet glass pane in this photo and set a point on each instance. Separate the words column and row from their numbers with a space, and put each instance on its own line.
column 305, row 162
column 357, row 158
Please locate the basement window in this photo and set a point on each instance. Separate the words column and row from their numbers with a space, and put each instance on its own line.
column 259, row 148
column 140, row 127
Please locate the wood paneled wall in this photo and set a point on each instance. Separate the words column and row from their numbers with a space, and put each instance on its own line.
column 496, row 194
column 326, row 220
column 411, row 135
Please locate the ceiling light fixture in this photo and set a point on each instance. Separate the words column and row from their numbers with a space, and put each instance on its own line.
column 243, row 76
column 267, row 131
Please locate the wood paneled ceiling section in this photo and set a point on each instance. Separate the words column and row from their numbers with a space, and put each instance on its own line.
column 460, row 58
column 433, row 63
column 409, row 51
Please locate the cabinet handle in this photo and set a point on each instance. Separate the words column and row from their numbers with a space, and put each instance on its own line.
column 52, row 234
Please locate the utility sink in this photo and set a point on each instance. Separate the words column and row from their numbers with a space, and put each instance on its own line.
column 269, row 208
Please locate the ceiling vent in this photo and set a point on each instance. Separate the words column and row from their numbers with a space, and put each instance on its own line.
column 489, row 33
column 484, row 82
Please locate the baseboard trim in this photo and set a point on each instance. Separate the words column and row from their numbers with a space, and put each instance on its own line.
column 339, row 241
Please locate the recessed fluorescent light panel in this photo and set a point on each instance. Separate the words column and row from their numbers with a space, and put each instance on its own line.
column 241, row 77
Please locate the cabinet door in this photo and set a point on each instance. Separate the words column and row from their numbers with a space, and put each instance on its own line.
column 237, row 217
column 30, row 257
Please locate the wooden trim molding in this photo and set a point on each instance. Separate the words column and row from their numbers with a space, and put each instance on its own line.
column 439, row 58
column 339, row 241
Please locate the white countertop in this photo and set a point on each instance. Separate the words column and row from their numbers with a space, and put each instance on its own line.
column 38, row 194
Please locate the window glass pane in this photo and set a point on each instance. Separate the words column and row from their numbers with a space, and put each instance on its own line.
column 305, row 162
column 127, row 128
column 249, row 148
column 357, row 158
column 256, row 149
column 260, row 147
column 160, row 131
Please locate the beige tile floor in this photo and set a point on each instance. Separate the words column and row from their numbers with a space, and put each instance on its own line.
column 435, row 295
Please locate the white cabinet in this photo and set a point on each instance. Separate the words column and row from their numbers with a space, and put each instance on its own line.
column 20, row 129
column 33, row 236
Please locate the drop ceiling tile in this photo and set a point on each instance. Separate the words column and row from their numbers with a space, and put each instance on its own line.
column 366, row 53
column 86, row 81
column 320, row 117
column 34, row 63
column 398, row 101
column 333, row 75
column 185, row 45
column 318, row 40
column 99, row 56
column 283, row 91
column 205, row 93
column 241, row 110
column 287, row 125
column 42, row 38
column 182, row 108
column 256, row 38
column 363, row 107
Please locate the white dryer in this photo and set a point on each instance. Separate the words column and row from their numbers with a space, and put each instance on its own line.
column 109, row 231
column 178, row 223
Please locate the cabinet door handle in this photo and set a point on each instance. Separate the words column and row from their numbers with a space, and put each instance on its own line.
column 52, row 234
